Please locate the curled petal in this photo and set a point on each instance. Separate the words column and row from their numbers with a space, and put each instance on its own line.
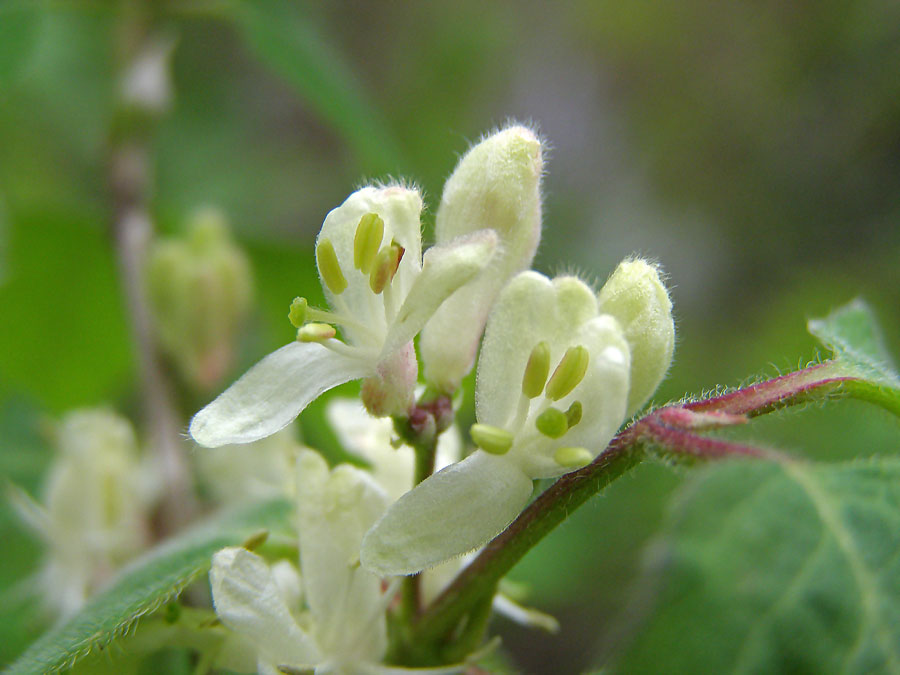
column 451, row 513
column 272, row 393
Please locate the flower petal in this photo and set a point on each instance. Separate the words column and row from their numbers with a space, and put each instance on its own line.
column 399, row 207
column 272, row 393
column 445, row 268
column 336, row 508
column 452, row 512
column 248, row 601
column 529, row 310
column 497, row 184
column 603, row 394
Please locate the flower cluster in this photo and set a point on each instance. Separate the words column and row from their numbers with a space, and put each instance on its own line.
column 561, row 367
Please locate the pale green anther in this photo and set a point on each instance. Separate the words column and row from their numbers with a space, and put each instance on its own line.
column 552, row 423
column 384, row 267
column 329, row 267
column 367, row 241
column 573, row 414
column 536, row 370
column 297, row 313
column 568, row 373
column 315, row 332
column 491, row 439
column 573, row 458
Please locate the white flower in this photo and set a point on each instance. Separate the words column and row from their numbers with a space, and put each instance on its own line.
column 381, row 290
column 551, row 391
column 343, row 628
column 95, row 509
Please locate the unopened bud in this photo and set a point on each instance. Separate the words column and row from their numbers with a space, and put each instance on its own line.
column 568, row 373
column 491, row 439
column 199, row 288
column 496, row 185
column 637, row 298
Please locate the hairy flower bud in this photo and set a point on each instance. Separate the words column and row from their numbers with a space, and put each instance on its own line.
column 200, row 289
column 636, row 296
column 495, row 185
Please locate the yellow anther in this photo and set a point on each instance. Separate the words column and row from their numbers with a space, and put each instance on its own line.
column 536, row 370
column 568, row 373
column 491, row 439
column 329, row 267
column 385, row 267
column 573, row 458
column 316, row 332
column 552, row 423
column 573, row 414
column 367, row 241
column 298, row 311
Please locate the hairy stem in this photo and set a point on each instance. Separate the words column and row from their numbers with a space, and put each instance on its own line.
column 672, row 431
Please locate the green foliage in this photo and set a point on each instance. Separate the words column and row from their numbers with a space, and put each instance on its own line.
column 146, row 585
column 852, row 333
column 778, row 567
column 289, row 44
column 854, row 336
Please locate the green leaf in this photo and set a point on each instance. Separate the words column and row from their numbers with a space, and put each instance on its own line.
column 146, row 585
column 291, row 45
column 852, row 333
column 777, row 568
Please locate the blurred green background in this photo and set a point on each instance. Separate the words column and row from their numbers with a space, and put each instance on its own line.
column 752, row 148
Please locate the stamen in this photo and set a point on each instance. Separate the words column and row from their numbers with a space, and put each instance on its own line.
column 568, row 373
column 297, row 313
column 573, row 458
column 491, row 439
column 536, row 370
column 385, row 267
column 573, row 414
column 552, row 423
column 367, row 241
column 329, row 267
column 315, row 332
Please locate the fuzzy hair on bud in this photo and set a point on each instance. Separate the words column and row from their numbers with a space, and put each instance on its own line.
column 497, row 185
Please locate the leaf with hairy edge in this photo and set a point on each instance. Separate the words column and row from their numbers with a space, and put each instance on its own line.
column 777, row 568
column 852, row 333
column 147, row 584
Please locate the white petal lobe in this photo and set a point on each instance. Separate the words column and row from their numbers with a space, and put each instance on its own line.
column 452, row 512
column 272, row 393
column 248, row 601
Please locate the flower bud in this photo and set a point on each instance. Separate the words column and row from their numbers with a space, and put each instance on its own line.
column 637, row 298
column 199, row 289
column 496, row 185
